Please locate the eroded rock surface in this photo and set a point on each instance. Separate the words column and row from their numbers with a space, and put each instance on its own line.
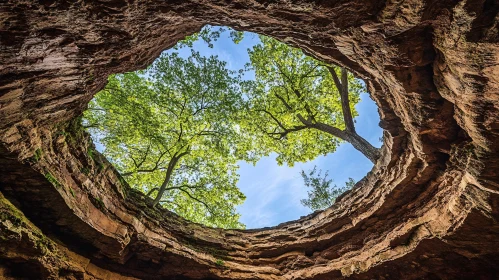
column 427, row 210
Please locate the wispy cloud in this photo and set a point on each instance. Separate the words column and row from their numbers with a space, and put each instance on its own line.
column 273, row 197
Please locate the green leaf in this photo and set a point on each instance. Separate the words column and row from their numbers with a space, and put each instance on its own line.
column 322, row 194
column 177, row 106
column 289, row 84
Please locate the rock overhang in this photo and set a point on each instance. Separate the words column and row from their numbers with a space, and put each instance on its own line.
column 430, row 200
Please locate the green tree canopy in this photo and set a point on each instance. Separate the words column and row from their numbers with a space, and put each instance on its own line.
column 176, row 130
column 298, row 106
column 210, row 34
column 322, row 193
column 169, row 131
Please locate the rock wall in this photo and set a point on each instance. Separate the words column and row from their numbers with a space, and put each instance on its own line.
column 427, row 210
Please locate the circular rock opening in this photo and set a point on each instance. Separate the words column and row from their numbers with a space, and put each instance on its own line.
column 179, row 130
column 430, row 200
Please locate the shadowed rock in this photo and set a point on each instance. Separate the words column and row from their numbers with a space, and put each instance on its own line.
column 427, row 210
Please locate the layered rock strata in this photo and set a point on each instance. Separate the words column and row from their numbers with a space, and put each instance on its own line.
column 427, row 210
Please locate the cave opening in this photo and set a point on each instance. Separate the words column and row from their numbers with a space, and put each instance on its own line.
column 225, row 116
column 428, row 208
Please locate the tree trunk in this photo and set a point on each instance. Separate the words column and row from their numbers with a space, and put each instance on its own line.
column 349, row 134
column 345, row 101
column 169, row 171
column 168, row 175
column 363, row 146
column 359, row 143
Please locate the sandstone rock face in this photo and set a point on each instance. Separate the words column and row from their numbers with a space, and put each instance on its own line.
column 427, row 210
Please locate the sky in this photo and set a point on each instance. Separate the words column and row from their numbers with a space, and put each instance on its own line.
column 273, row 192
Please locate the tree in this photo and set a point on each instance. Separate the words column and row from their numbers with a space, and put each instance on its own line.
column 322, row 194
column 297, row 103
column 210, row 34
column 168, row 130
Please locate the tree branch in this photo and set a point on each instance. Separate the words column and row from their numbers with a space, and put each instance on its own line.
column 286, row 132
column 151, row 191
column 307, row 108
column 335, row 77
column 171, row 165
column 94, row 125
column 323, row 127
column 284, row 102
column 198, row 200
column 345, row 102
column 181, row 188
column 306, row 74
column 290, row 81
column 272, row 116
column 156, row 167
column 143, row 158
column 343, row 90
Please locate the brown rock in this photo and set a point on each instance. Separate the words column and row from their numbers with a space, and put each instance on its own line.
column 427, row 210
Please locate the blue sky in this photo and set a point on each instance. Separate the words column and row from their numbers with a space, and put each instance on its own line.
column 273, row 192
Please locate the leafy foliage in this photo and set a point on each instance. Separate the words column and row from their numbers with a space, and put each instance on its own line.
column 322, row 193
column 52, row 180
column 176, row 130
column 210, row 34
column 169, row 128
column 290, row 91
